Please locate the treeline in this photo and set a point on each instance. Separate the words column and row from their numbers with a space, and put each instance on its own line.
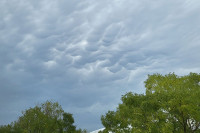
column 48, row 117
column 171, row 104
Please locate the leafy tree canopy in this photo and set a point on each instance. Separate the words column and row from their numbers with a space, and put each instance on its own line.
column 48, row 117
column 171, row 105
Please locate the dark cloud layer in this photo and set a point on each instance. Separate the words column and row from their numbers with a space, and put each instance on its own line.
column 86, row 54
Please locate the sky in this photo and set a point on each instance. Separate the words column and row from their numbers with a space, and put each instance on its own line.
column 86, row 54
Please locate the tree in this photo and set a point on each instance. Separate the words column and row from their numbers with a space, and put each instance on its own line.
column 33, row 120
column 48, row 117
column 43, row 118
column 180, row 99
column 171, row 104
column 68, row 122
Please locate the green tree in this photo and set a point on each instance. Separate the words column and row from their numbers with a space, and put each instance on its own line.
column 43, row 118
column 33, row 120
column 171, row 105
column 48, row 117
column 68, row 122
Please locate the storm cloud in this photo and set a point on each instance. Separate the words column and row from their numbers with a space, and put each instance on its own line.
column 86, row 54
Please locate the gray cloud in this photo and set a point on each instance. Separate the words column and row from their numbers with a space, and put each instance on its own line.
column 86, row 54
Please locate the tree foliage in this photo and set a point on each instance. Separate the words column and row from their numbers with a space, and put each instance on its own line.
column 48, row 117
column 171, row 105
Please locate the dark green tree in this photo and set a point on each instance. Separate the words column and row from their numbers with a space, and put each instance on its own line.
column 68, row 122
column 48, row 117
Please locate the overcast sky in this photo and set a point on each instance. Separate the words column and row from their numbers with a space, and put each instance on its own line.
column 85, row 54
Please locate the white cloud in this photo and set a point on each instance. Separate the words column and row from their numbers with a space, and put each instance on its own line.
column 50, row 64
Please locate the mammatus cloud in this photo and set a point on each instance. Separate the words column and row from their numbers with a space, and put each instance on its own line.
column 86, row 54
